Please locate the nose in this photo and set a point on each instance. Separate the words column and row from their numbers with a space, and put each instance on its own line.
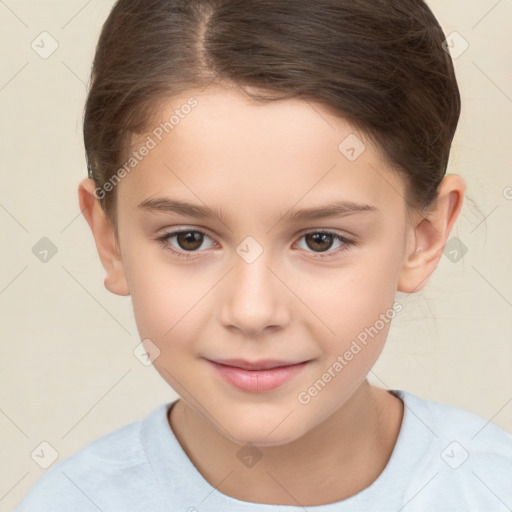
column 255, row 298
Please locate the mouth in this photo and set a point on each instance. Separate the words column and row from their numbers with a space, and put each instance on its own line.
column 258, row 376
column 266, row 364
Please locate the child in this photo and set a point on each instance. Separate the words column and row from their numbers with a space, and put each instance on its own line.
column 256, row 131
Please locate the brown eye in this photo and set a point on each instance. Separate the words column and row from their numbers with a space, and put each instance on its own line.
column 189, row 240
column 186, row 242
column 322, row 241
column 319, row 241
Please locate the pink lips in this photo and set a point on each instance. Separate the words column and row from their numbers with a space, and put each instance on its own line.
column 256, row 377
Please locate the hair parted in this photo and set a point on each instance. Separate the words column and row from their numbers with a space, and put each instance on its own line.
column 380, row 64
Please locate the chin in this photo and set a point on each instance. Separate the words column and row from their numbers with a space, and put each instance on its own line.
column 261, row 432
column 261, row 439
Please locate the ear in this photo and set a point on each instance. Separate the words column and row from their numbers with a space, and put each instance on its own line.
column 104, row 236
column 427, row 236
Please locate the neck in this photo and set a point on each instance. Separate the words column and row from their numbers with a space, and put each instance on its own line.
column 333, row 461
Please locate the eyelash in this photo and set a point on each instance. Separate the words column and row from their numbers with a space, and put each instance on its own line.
column 164, row 241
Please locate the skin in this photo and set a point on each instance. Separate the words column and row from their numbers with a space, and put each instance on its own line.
column 258, row 162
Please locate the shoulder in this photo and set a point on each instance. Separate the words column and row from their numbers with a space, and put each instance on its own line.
column 469, row 459
column 110, row 471
column 449, row 422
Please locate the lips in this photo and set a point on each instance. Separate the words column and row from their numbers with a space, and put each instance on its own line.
column 266, row 364
column 260, row 377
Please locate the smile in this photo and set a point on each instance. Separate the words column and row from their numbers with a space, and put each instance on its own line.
column 257, row 381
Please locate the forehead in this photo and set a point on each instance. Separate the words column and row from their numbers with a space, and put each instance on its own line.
column 221, row 147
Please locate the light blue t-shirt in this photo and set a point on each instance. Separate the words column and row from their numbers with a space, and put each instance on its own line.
column 445, row 460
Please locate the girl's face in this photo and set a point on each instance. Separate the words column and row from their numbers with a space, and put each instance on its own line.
column 255, row 279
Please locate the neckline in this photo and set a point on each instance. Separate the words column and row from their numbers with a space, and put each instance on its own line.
column 177, row 475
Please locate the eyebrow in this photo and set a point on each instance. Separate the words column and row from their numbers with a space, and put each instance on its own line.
column 329, row 210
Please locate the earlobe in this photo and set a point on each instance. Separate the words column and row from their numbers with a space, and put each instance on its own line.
column 104, row 237
column 428, row 235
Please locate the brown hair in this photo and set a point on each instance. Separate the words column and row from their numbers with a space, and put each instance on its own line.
column 380, row 64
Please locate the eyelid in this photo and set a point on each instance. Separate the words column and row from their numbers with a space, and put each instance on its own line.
column 186, row 228
column 348, row 241
column 330, row 231
column 163, row 239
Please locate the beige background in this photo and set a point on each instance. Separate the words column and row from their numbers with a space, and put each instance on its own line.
column 67, row 370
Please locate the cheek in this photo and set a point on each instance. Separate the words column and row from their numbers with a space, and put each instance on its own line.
column 165, row 296
column 358, row 309
column 166, row 307
column 356, row 306
column 338, row 305
column 355, row 296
